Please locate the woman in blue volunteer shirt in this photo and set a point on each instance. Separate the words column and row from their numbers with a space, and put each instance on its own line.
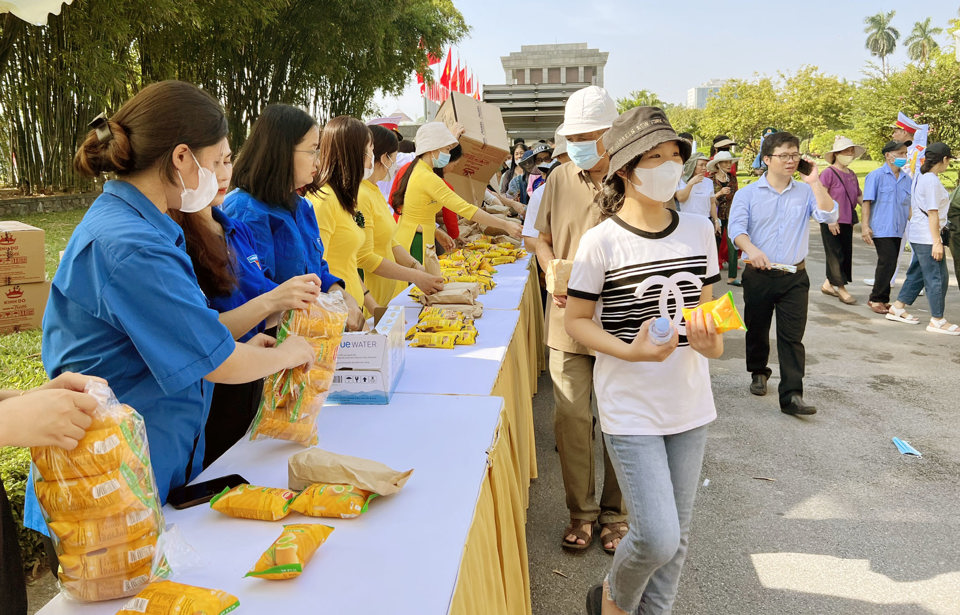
column 230, row 275
column 278, row 159
column 125, row 305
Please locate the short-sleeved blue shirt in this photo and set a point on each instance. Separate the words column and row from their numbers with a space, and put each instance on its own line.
column 287, row 242
column 889, row 198
column 251, row 279
column 125, row 305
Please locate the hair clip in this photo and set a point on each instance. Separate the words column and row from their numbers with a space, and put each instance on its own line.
column 99, row 124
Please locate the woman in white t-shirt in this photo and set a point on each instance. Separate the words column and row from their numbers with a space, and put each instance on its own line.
column 695, row 191
column 643, row 262
column 929, row 203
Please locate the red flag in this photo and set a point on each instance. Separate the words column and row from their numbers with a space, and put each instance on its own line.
column 447, row 68
column 420, row 82
column 455, row 78
column 431, row 59
column 463, row 79
column 469, row 88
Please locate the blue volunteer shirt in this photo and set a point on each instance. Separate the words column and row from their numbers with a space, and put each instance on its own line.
column 252, row 280
column 889, row 198
column 288, row 242
column 776, row 222
column 125, row 305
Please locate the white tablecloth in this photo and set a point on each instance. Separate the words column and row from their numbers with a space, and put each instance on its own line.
column 506, row 295
column 402, row 556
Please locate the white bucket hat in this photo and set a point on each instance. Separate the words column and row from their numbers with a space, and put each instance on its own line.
column 721, row 156
column 841, row 143
column 588, row 110
column 431, row 136
column 559, row 142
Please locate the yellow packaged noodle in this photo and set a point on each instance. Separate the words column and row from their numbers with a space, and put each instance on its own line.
column 289, row 554
column 724, row 313
column 434, row 340
column 251, row 502
column 111, row 561
column 106, row 588
column 79, row 537
column 333, row 501
column 169, row 598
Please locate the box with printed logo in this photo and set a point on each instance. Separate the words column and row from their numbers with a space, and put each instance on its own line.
column 369, row 363
column 485, row 144
column 21, row 253
column 22, row 305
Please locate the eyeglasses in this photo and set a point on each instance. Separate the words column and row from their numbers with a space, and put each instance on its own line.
column 313, row 152
column 787, row 157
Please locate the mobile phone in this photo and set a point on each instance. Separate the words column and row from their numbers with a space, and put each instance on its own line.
column 804, row 167
column 191, row 495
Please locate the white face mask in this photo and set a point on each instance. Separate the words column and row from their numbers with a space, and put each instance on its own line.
column 660, row 182
column 391, row 171
column 844, row 159
column 193, row 200
column 367, row 172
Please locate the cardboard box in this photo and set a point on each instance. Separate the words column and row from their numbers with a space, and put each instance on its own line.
column 485, row 144
column 21, row 254
column 369, row 363
column 22, row 305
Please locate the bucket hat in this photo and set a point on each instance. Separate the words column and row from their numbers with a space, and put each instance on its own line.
column 639, row 130
column 587, row 110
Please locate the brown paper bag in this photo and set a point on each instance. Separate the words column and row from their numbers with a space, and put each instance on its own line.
column 460, row 293
column 430, row 261
column 319, row 466
column 558, row 274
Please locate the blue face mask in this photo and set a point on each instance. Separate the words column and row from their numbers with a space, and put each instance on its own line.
column 442, row 160
column 584, row 155
column 900, row 162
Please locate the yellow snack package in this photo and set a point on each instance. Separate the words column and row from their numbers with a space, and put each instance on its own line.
column 466, row 337
column 98, row 452
column 503, row 260
column 440, row 325
column 292, row 398
column 724, row 312
column 106, row 588
column 334, row 501
column 434, row 340
column 79, row 537
column 169, row 598
column 251, row 502
column 112, row 561
column 93, row 496
column 289, row 553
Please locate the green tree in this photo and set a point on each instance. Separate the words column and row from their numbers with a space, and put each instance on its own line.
column 815, row 102
column 639, row 98
column 881, row 36
column 742, row 109
column 921, row 43
column 684, row 119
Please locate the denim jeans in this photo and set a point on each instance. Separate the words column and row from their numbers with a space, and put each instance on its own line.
column 926, row 272
column 659, row 476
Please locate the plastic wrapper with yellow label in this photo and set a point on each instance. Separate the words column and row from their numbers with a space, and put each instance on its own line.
column 169, row 598
column 333, row 501
column 292, row 398
column 289, row 553
column 100, row 504
column 724, row 313
column 434, row 340
column 251, row 502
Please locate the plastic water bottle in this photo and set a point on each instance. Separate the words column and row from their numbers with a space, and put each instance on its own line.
column 661, row 331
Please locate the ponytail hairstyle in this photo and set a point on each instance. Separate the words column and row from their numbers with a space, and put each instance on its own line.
column 400, row 188
column 384, row 142
column 613, row 192
column 930, row 160
column 343, row 147
column 148, row 127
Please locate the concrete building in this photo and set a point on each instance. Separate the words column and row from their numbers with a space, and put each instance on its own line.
column 697, row 97
column 538, row 79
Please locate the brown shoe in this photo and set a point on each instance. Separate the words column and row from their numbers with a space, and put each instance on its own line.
column 576, row 529
column 879, row 308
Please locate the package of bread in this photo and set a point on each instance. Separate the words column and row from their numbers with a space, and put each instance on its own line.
column 557, row 276
column 101, row 506
column 292, row 398
column 458, row 293
column 169, row 598
column 290, row 553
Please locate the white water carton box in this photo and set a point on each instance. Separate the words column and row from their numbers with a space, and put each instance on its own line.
column 369, row 363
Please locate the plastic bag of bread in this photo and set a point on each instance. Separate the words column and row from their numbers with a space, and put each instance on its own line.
column 289, row 553
column 169, row 598
column 101, row 506
column 292, row 398
column 333, row 501
column 251, row 502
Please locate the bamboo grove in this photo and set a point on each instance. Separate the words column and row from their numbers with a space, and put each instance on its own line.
column 329, row 56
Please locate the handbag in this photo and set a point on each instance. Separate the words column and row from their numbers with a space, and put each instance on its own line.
column 853, row 199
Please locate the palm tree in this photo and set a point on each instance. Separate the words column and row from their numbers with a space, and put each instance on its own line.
column 881, row 36
column 921, row 44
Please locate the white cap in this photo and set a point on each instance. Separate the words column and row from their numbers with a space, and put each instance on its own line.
column 431, row 136
column 559, row 142
column 588, row 110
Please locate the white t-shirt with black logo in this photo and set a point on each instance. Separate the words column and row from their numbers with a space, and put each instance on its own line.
column 699, row 200
column 634, row 276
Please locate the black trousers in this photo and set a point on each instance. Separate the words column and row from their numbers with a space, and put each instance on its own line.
column 231, row 412
column 13, row 586
column 888, row 251
column 766, row 292
column 955, row 252
column 839, row 252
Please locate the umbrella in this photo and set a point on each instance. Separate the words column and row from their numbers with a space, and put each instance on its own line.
column 33, row 11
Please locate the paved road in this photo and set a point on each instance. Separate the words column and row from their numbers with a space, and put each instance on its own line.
column 847, row 525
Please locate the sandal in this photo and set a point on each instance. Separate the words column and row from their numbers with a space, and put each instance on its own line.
column 614, row 531
column 829, row 292
column 848, row 300
column 938, row 326
column 575, row 529
column 879, row 308
column 900, row 315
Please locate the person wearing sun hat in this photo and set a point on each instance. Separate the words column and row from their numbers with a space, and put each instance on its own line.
column 930, row 204
column 724, row 187
column 643, row 262
column 844, row 188
column 568, row 209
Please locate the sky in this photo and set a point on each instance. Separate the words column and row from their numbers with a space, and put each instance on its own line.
column 669, row 47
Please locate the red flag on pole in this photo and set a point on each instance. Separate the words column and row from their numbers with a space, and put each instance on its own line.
column 476, row 88
column 431, row 59
column 422, row 84
column 463, row 79
column 455, row 78
column 447, row 68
